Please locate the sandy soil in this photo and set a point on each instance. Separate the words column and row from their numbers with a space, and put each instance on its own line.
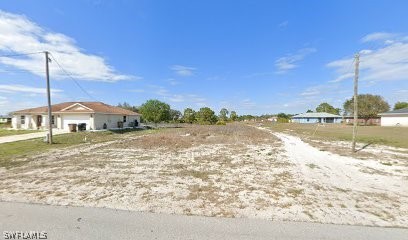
column 233, row 171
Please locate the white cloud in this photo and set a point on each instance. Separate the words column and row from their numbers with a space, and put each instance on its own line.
column 177, row 97
column 136, row 90
column 283, row 24
column 183, row 70
column 343, row 77
column 386, row 63
column 312, row 91
column 284, row 64
column 247, row 104
column 16, row 88
column 378, row 36
column 20, row 35
column 173, row 82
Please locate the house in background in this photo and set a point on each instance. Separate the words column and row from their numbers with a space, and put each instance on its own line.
column 95, row 115
column 395, row 118
column 5, row 119
column 316, row 117
column 273, row 119
column 361, row 121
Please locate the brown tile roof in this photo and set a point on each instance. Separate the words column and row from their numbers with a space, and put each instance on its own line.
column 93, row 107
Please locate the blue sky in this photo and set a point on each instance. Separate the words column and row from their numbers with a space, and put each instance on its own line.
column 254, row 57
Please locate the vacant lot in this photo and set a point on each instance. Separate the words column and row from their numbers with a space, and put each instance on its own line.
column 233, row 171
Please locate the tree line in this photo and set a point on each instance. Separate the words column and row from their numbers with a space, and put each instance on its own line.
column 369, row 106
column 156, row 111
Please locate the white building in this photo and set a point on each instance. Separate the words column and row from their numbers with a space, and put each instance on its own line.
column 395, row 118
column 5, row 119
column 96, row 115
column 316, row 117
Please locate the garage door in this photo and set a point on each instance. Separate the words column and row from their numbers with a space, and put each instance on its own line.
column 75, row 118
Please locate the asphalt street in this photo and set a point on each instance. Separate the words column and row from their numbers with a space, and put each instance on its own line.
column 61, row 222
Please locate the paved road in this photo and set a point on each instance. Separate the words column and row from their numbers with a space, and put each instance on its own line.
column 20, row 137
column 99, row 223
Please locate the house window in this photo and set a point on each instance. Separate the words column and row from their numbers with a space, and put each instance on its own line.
column 52, row 120
column 124, row 118
column 307, row 119
column 22, row 119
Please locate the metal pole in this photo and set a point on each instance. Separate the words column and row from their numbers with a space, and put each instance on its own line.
column 48, row 98
column 357, row 59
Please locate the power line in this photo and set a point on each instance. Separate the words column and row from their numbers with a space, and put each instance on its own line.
column 72, row 78
column 21, row 71
column 20, row 54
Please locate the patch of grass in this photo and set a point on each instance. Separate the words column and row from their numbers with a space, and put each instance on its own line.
column 15, row 154
column 391, row 136
column 308, row 214
column 6, row 132
column 386, row 163
column 312, row 165
column 294, row 192
column 203, row 175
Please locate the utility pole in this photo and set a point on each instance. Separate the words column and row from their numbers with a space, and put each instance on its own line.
column 357, row 62
column 48, row 98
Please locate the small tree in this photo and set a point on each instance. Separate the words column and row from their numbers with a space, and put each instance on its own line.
column 309, row 111
column 189, row 115
column 283, row 118
column 175, row 115
column 206, row 116
column 155, row 111
column 224, row 114
column 325, row 107
column 233, row 116
column 368, row 106
column 127, row 106
column 400, row 105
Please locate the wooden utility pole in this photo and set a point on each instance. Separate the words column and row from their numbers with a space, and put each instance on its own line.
column 357, row 62
column 48, row 98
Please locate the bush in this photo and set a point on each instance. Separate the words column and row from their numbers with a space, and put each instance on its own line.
column 282, row 120
column 221, row 123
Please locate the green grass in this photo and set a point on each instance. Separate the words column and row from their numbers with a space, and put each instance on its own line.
column 14, row 153
column 391, row 136
column 6, row 132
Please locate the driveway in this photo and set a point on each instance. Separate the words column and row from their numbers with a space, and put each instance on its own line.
column 60, row 222
column 20, row 137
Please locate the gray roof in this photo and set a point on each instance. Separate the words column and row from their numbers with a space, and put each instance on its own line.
column 399, row 111
column 316, row 115
column 5, row 116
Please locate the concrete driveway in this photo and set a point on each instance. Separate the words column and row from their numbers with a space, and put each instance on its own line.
column 59, row 222
column 20, row 137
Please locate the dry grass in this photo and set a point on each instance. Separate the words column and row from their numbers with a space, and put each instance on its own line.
column 391, row 136
column 193, row 135
column 387, row 143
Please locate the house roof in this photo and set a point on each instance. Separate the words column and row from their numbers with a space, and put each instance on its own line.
column 5, row 116
column 79, row 107
column 399, row 111
column 316, row 115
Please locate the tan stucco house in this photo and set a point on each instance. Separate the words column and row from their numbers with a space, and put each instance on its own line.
column 96, row 115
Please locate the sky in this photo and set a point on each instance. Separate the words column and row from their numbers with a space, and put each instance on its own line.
column 253, row 57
